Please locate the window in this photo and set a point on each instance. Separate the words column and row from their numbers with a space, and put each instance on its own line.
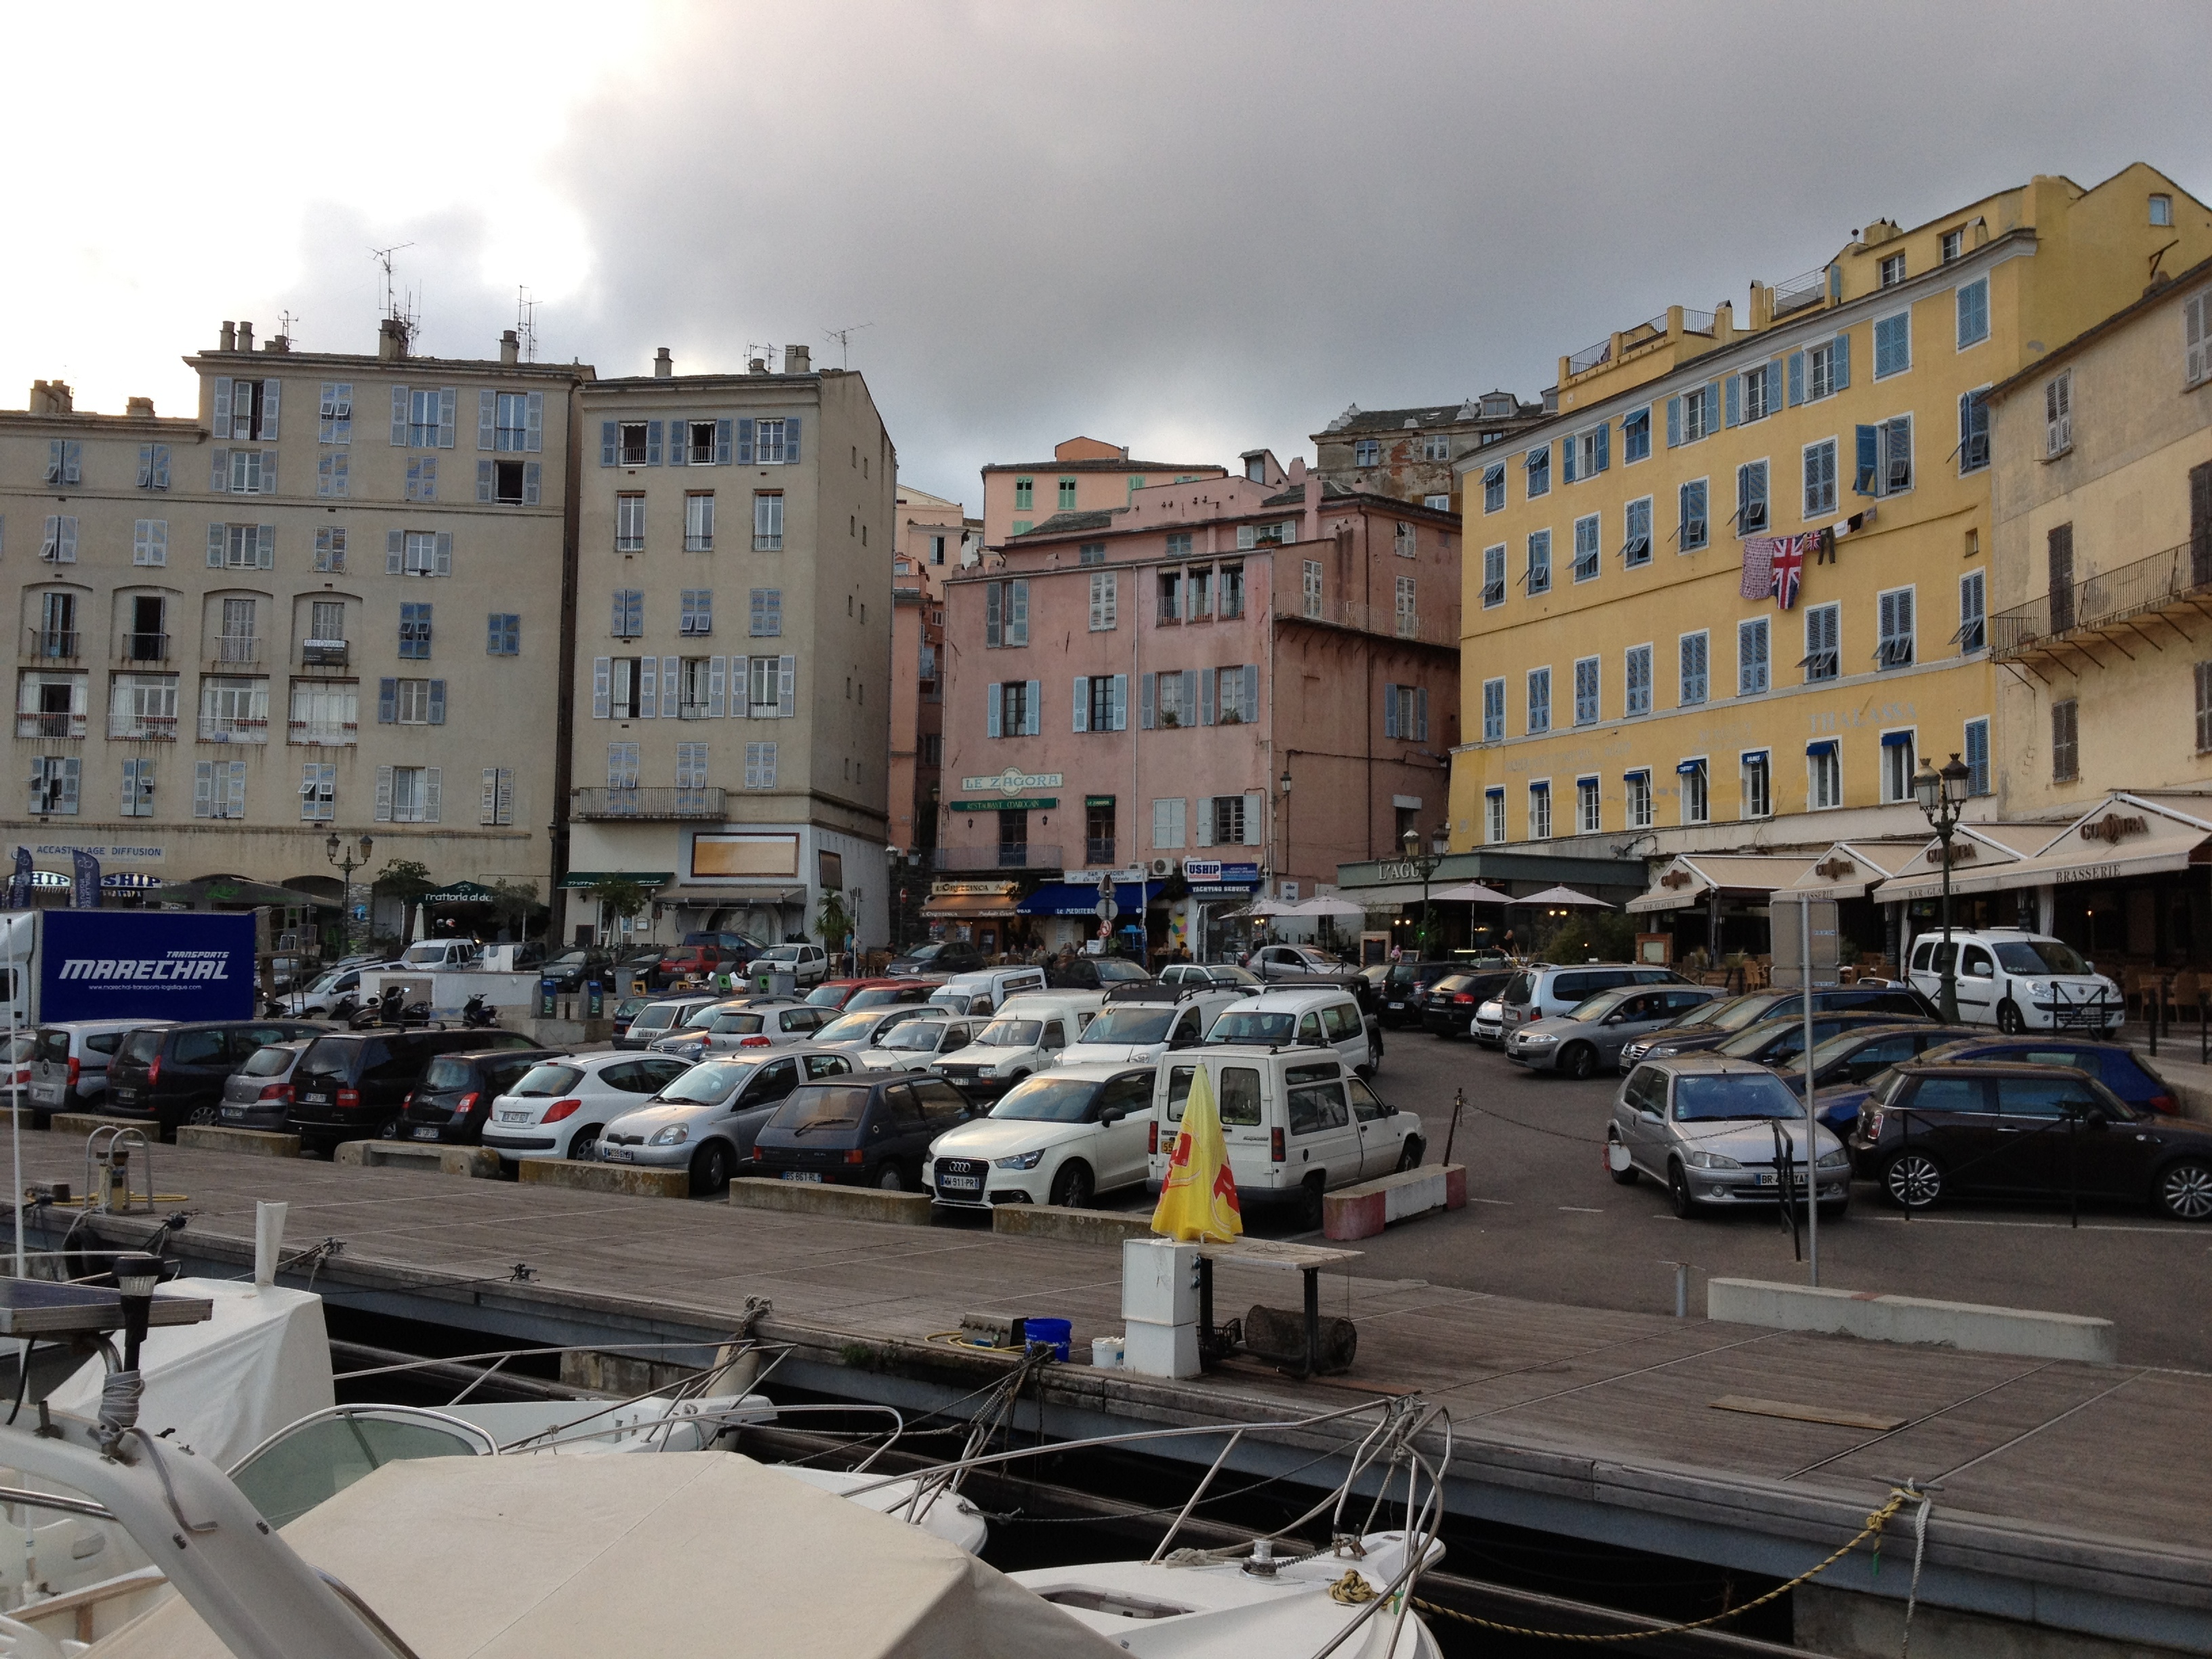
column 1404, row 542
column 414, row 631
column 422, row 416
column 2161, row 210
column 1005, row 613
column 1751, row 498
column 630, row 523
column 1168, row 826
column 1101, row 702
column 1824, row 776
column 1885, row 457
column 319, row 791
column 236, row 641
column 1236, row 701
column 407, row 794
column 1821, row 479
column 760, row 766
column 1895, row 648
column 775, row 443
column 1892, row 269
column 1636, row 436
column 1823, row 657
column 517, row 421
column 54, row 784
column 1586, row 551
column 1978, row 757
column 1367, row 452
column 1493, row 575
column 1972, row 303
column 1539, row 700
column 410, row 703
column 1755, row 395
column 622, row 766
column 772, row 687
column 422, row 478
column 1751, row 657
column 230, row 546
column 699, row 521
column 1954, row 244
column 1636, row 548
column 2058, row 414
column 1436, row 447
column 1693, row 533
column 138, row 789
column 333, row 473
column 149, row 541
column 628, row 620
column 1170, row 606
column 1693, row 680
column 1973, row 615
column 143, row 706
column 1408, row 621
column 335, row 413
column 764, row 613
column 2203, row 671
column 1538, row 465
column 1024, row 494
column 1586, row 454
column 1493, row 710
column 1818, row 367
column 1973, row 431
column 1228, row 603
column 1068, row 494
column 1493, row 816
column 219, row 789
column 1229, row 821
column 1638, row 786
column 1539, row 811
column 2065, row 742
column 691, row 766
column 696, row 610
column 246, row 409
column 503, row 634
column 1198, row 592
column 1696, row 806
column 1013, row 708
column 1589, row 812
column 1586, row 683
column 330, row 550
column 234, row 710
column 1758, row 789
column 1637, row 678
column 1538, row 577
column 1493, row 487
column 1897, row 766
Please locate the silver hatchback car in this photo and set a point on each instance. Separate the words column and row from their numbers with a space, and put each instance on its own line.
column 1714, row 1131
column 1590, row 1037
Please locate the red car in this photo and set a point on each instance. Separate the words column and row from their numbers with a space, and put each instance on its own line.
column 851, row 996
column 687, row 962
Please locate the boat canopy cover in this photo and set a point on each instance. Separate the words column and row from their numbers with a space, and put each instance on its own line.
column 228, row 1384
column 578, row 1558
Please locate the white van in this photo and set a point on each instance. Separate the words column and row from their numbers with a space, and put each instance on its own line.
column 987, row 990
column 1028, row 1034
column 430, row 955
column 1134, row 1028
column 1322, row 1018
column 1297, row 1123
column 2019, row 981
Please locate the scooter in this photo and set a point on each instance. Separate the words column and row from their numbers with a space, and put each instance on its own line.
column 475, row 1012
column 391, row 1008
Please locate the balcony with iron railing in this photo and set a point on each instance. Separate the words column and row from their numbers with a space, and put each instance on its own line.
column 55, row 644
column 38, row 724
column 229, row 649
column 655, row 801
column 1098, row 851
column 992, row 856
column 325, row 653
column 142, row 647
column 2106, row 603
column 1801, row 293
column 142, row 728
column 325, row 734
column 223, row 728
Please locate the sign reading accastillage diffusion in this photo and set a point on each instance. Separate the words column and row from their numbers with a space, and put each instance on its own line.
column 1013, row 782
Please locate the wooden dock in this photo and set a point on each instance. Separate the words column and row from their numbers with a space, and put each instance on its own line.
column 2066, row 1494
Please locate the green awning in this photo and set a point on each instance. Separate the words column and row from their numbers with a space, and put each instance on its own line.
column 593, row 877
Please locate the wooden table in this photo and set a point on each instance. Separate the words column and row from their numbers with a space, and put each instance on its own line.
column 1308, row 1260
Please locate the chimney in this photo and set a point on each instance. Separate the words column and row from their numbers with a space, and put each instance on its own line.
column 229, row 337
column 278, row 343
column 510, row 348
column 245, row 336
column 756, row 366
column 664, row 365
column 390, row 340
column 141, row 408
column 798, row 360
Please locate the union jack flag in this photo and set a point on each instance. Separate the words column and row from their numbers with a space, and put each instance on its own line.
column 1789, row 569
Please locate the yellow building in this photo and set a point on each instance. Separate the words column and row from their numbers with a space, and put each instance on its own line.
column 1625, row 673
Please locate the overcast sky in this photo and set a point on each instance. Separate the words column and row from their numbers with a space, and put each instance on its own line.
column 1188, row 228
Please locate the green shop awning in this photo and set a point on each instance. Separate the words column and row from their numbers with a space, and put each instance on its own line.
column 593, row 877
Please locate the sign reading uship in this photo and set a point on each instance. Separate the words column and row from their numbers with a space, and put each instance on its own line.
column 97, row 965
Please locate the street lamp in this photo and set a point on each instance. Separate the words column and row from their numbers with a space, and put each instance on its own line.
column 346, row 865
column 1940, row 795
column 1426, row 863
column 1284, row 784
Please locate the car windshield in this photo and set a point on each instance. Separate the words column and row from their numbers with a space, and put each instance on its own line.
column 328, row 981
column 1715, row 1099
column 1450, row 983
column 827, row 996
column 1751, row 1040
column 821, row 1108
column 703, row 1017
column 1230, row 973
column 1049, row 1100
column 1113, row 968
column 627, row 1008
column 781, row 953
column 883, row 996
column 1251, row 1025
column 654, row 1017
column 142, row 1046
column 1011, row 1034
column 1516, row 994
column 447, row 1072
column 927, row 953
column 272, row 1061
column 1745, row 1011
column 708, row 1085
column 742, row 1023
column 1147, row 1024
column 547, row 1080
column 1598, row 1007
column 2039, row 956
column 918, row 1035
column 853, row 1028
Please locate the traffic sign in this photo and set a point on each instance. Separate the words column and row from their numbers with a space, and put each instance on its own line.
column 1107, row 909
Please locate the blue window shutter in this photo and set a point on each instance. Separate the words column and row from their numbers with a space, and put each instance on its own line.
column 531, row 472
column 399, row 419
column 1144, row 714
column 610, row 442
column 723, row 440
column 1674, row 423
column 745, row 441
column 448, row 401
column 791, row 439
column 1773, row 385
column 1251, row 690
column 486, row 418
column 1713, row 404
column 387, row 701
column 437, row 703
column 222, row 406
column 533, row 422
column 993, row 715
column 444, row 553
column 1869, row 448
column 652, row 443
column 1735, row 415
column 648, row 687
column 1605, row 446
column 1420, row 713
column 485, row 475
column 1389, row 709
column 1842, row 363
column 1567, row 449
column 1032, row 705
column 1796, row 378
column 680, row 435
column 1206, row 681
column 1121, row 702
column 493, row 633
column 1081, row 700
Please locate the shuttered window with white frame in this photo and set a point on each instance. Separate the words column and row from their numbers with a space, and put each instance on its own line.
column 497, row 805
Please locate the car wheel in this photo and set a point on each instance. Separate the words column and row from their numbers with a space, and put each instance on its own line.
column 584, row 1145
column 1309, row 1207
column 388, row 1130
column 1625, row 1175
column 2185, row 1190
column 1073, row 1187
column 1678, row 1193
column 1579, row 1062
column 203, row 1115
column 710, row 1168
column 2008, row 1019
column 1409, row 1157
column 891, row 1180
column 1912, row 1181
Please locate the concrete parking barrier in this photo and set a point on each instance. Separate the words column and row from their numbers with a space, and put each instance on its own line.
column 821, row 1198
column 1365, row 1209
column 1077, row 1226
column 1912, row 1319
column 625, row 1178
column 83, row 1123
column 478, row 1161
column 250, row 1143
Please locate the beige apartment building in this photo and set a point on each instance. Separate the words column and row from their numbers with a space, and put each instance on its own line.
column 326, row 601
column 733, row 665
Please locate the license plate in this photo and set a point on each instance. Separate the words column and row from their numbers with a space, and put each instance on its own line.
column 961, row 1183
column 803, row 1175
column 126, row 1095
column 1397, row 1005
column 314, row 1100
column 515, row 1117
column 426, row 1132
column 1766, row 1178
column 46, row 1094
column 617, row 1154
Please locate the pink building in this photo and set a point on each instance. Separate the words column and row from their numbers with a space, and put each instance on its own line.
column 1241, row 681
column 934, row 538
column 1084, row 476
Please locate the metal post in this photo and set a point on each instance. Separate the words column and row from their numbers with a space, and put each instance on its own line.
column 2074, row 1164
column 1948, row 996
column 1681, row 1290
column 1459, row 1105
column 1312, row 1277
column 16, row 1107
column 1811, row 1120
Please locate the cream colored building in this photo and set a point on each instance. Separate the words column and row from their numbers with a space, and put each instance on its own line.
column 328, row 601
column 731, row 684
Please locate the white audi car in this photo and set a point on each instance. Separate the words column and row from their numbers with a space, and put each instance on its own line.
column 1057, row 1138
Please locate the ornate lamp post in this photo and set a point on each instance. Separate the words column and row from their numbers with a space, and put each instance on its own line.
column 1941, row 795
column 347, row 865
column 1426, row 863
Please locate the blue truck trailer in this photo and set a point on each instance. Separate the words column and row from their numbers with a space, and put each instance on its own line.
column 125, row 964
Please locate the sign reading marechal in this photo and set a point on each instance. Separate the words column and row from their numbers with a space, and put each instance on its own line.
column 725, row 855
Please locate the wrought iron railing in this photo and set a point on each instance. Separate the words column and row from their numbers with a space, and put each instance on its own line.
column 37, row 725
column 651, row 801
column 142, row 728
column 1590, row 357
column 1800, row 292
column 235, row 649
column 1098, row 851
column 2105, row 598
column 991, row 857
column 145, row 648
column 54, row 643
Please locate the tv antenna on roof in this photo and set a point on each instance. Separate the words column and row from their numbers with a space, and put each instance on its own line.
column 393, row 308
column 526, row 323
column 763, row 355
column 843, row 337
column 284, row 321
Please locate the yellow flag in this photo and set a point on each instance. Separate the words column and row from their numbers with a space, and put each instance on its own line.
column 1198, row 1198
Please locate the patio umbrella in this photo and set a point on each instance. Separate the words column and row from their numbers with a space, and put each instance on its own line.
column 1474, row 893
column 1565, row 897
column 1327, row 907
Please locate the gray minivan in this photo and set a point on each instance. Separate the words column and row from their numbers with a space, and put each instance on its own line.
column 69, row 1063
column 1545, row 992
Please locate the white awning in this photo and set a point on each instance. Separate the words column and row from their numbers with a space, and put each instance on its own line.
column 1846, row 869
column 2122, row 835
column 1981, row 851
column 1690, row 879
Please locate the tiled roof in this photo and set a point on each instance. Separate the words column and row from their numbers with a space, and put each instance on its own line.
column 1355, row 419
column 1068, row 523
column 1105, row 467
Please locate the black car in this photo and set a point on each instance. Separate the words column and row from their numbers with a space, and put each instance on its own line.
column 2041, row 1133
column 1722, row 1020
column 349, row 1086
column 951, row 956
column 1405, row 990
column 857, row 1132
column 173, row 1074
column 1449, row 1008
column 2115, row 1065
column 1780, row 1041
column 1856, row 1056
column 572, row 969
column 1083, row 973
column 454, row 1097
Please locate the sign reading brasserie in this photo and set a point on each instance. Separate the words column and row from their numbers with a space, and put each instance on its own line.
column 1013, row 782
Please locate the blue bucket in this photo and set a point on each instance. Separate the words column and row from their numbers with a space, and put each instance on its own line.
column 1055, row 1332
